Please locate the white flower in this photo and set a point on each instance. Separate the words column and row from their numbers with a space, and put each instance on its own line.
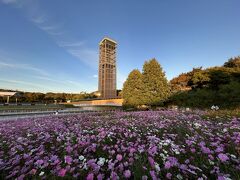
column 213, row 107
column 85, row 166
column 101, row 161
column 165, row 151
column 177, row 152
column 211, row 162
column 197, row 125
column 41, row 173
column 157, row 167
column 168, row 141
column 179, row 176
column 225, row 130
column 81, row 158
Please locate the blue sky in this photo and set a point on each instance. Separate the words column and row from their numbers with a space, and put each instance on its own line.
column 52, row 45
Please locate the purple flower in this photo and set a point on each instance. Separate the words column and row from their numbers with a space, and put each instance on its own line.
column 69, row 149
column 219, row 149
column 127, row 174
column 39, row 162
column 151, row 161
column 90, row 176
column 223, row 157
column 68, row 160
column 152, row 151
column 153, row 175
column 172, row 161
column 167, row 165
column 100, row 177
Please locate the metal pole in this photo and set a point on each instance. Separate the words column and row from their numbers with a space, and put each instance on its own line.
column 7, row 99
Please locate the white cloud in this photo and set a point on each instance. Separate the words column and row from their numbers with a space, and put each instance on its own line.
column 95, row 76
column 74, row 83
column 55, row 29
column 40, row 19
column 30, row 85
column 71, row 44
column 60, row 81
column 86, row 55
column 23, row 67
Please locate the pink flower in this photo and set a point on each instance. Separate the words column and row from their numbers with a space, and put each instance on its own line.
column 169, row 176
column 127, row 174
column 193, row 150
column 90, row 176
column 132, row 150
column 62, row 172
column 33, row 171
column 223, row 157
column 112, row 152
column 119, row 157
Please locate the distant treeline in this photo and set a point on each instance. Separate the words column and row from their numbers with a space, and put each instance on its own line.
column 202, row 88
column 31, row 97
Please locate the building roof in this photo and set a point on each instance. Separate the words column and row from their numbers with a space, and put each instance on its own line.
column 109, row 39
column 7, row 93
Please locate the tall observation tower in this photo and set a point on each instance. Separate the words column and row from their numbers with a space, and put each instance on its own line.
column 107, row 68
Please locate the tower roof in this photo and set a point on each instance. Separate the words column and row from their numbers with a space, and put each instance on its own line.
column 109, row 39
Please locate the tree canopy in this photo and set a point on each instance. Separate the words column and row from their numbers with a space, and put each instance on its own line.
column 147, row 88
column 132, row 89
column 156, row 88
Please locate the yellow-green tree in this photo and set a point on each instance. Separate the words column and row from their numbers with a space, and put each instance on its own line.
column 132, row 89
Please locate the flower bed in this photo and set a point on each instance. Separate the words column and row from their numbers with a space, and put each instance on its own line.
column 121, row 145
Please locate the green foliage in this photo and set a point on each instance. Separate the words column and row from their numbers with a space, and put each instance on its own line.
column 149, row 88
column 34, row 97
column 218, row 77
column 199, row 79
column 156, row 88
column 132, row 89
column 231, row 93
column 233, row 62
column 215, row 85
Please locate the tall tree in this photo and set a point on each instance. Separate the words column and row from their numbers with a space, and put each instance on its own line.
column 156, row 88
column 132, row 89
